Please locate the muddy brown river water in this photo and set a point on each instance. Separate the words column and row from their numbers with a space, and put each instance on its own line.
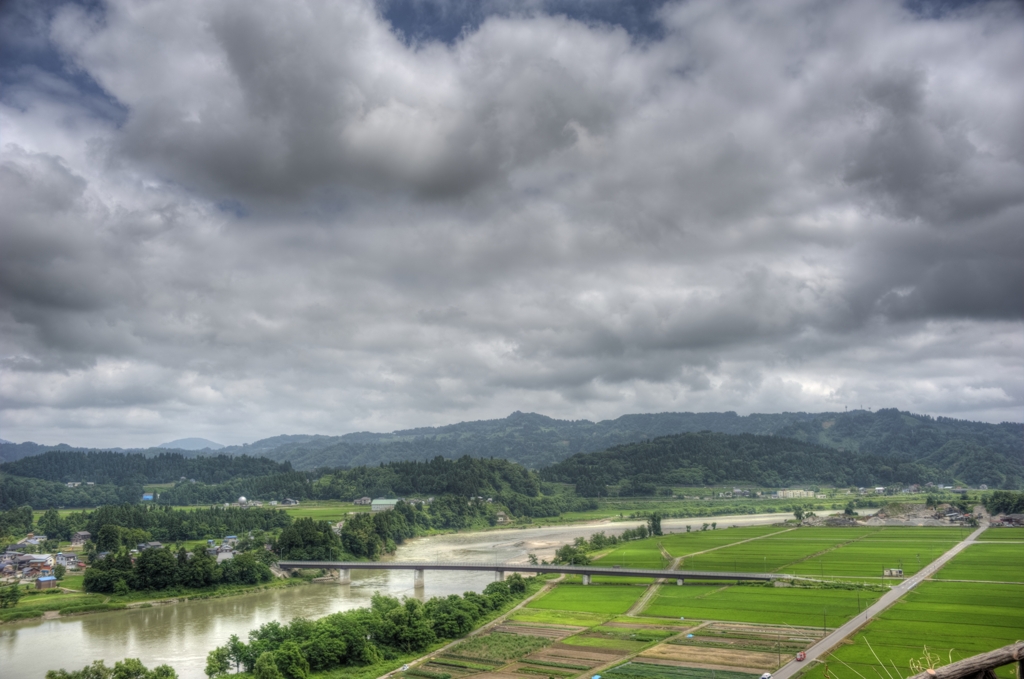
column 182, row 634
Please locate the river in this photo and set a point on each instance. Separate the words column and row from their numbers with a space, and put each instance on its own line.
column 182, row 634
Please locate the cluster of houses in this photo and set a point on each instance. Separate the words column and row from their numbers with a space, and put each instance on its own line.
column 243, row 503
column 20, row 562
column 23, row 561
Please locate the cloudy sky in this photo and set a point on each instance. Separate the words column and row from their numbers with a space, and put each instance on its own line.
column 240, row 218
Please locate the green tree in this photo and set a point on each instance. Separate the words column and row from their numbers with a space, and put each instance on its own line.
column 654, row 524
column 266, row 668
column 571, row 555
column 217, row 662
column 59, row 571
column 129, row 668
column 290, row 661
column 799, row 513
column 97, row 670
column 108, row 539
column 516, row 584
column 9, row 596
column 237, row 651
column 155, row 569
column 52, row 526
column 199, row 571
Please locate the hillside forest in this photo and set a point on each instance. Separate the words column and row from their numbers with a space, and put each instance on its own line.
column 849, row 449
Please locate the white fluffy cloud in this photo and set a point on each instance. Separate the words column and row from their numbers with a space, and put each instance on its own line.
column 280, row 217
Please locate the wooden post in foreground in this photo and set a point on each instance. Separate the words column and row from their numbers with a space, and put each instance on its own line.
column 980, row 666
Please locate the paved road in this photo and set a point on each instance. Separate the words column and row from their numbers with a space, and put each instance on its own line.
column 888, row 599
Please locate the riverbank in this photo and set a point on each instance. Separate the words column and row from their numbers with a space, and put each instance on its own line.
column 66, row 602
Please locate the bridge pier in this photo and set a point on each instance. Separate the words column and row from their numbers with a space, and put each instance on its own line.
column 586, row 579
column 679, row 581
column 417, row 577
column 344, row 576
column 499, row 575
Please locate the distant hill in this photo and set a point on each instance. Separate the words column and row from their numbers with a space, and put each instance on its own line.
column 3, row 441
column 527, row 438
column 106, row 467
column 972, row 452
column 709, row 458
column 191, row 444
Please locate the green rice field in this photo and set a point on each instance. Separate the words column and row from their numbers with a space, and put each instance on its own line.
column 953, row 620
column 992, row 562
column 832, row 552
column 1003, row 534
column 606, row 599
column 558, row 617
column 774, row 605
column 681, row 544
column 637, row 554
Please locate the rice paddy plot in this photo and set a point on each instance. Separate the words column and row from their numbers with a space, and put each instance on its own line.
column 681, row 544
column 918, row 533
column 1003, row 534
column 869, row 557
column 638, row 554
column 557, row 617
column 952, row 621
column 605, row 599
column 642, row 670
column 993, row 562
column 620, row 644
column 498, row 646
column 795, row 606
column 768, row 555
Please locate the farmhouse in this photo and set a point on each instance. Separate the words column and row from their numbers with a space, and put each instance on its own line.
column 382, row 505
column 67, row 559
column 1013, row 520
column 362, row 501
column 80, row 538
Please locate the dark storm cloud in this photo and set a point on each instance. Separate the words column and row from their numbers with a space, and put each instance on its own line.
column 333, row 216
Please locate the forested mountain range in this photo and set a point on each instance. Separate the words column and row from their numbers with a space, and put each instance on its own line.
column 707, row 458
column 119, row 468
column 973, row 452
column 968, row 451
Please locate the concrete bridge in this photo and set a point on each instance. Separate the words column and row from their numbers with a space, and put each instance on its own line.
column 345, row 569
